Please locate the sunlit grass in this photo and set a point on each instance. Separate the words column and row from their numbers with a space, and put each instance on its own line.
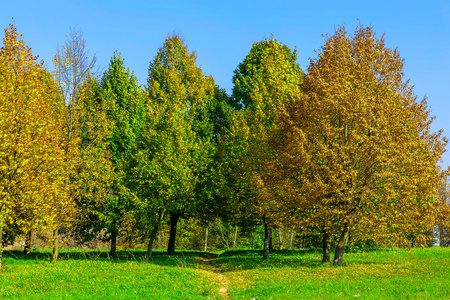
column 381, row 274
column 93, row 275
column 289, row 274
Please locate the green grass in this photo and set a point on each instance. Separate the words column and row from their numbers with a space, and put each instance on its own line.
column 289, row 274
column 300, row 274
column 92, row 275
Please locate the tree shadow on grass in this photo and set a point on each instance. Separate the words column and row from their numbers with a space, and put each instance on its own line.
column 231, row 260
column 186, row 259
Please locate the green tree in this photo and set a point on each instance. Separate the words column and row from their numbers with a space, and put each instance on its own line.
column 268, row 77
column 176, row 142
column 119, row 98
column 357, row 148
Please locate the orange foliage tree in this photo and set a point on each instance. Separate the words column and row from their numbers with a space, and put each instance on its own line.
column 356, row 149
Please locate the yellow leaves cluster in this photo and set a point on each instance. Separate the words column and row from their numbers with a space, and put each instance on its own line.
column 364, row 156
column 30, row 129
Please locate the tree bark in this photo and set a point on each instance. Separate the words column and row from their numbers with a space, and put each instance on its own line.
column 291, row 239
column 174, row 217
column 27, row 248
column 280, row 238
column 435, row 242
column 267, row 238
column 55, row 246
column 205, row 248
column 235, row 237
column 326, row 246
column 271, row 241
column 161, row 214
column 150, row 243
column 340, row 247
column 112, row 252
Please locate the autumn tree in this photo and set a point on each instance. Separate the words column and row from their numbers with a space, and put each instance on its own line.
column 268, row 77
column 73, row 68
column 30, row 125
column 357, row 149
column 175, row 145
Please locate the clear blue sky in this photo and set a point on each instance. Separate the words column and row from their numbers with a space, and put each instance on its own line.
column 222, row 33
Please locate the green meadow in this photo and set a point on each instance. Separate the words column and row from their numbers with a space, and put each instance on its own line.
column 242, row 274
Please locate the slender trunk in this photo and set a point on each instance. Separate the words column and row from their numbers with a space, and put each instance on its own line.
column 435, row 242
column 205, row 248
column 267, row 238
column 291, row 239
column 161, row 214
column 174, row 216
column 235, row 237
column 27, row 248
column 112, row 252
column 55, row 246
column 326, row 246
column 340, row 247
column 280, row 239
column 150, row 243
column 271, row 242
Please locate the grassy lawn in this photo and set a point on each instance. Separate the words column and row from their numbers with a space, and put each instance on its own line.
column 299, row 274
column 289, row 274
column 92, row 275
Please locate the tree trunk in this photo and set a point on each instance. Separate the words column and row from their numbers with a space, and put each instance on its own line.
column 326, row 246
column 150, row 243
column 271, row 242
column 291, row 239
column 112, row 252
column 174, row 216
column 235, row 237
column 340, row 247
column 55, row 246
column 280, row 239
column 267, row 238
column 435, row 242
column 205, row 248
column 27, row 248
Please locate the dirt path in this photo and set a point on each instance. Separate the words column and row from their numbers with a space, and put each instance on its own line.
column 223, row 291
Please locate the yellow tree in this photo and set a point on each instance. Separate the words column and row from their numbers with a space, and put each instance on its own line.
column 29, row 125
column 357, row 147
column 73, row 68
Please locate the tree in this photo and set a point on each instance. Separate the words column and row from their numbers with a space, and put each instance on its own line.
column 357, row 150
column 176, row 144
column 268, row 77
column 73, row 68
column 120, row 100
column 30, row 125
